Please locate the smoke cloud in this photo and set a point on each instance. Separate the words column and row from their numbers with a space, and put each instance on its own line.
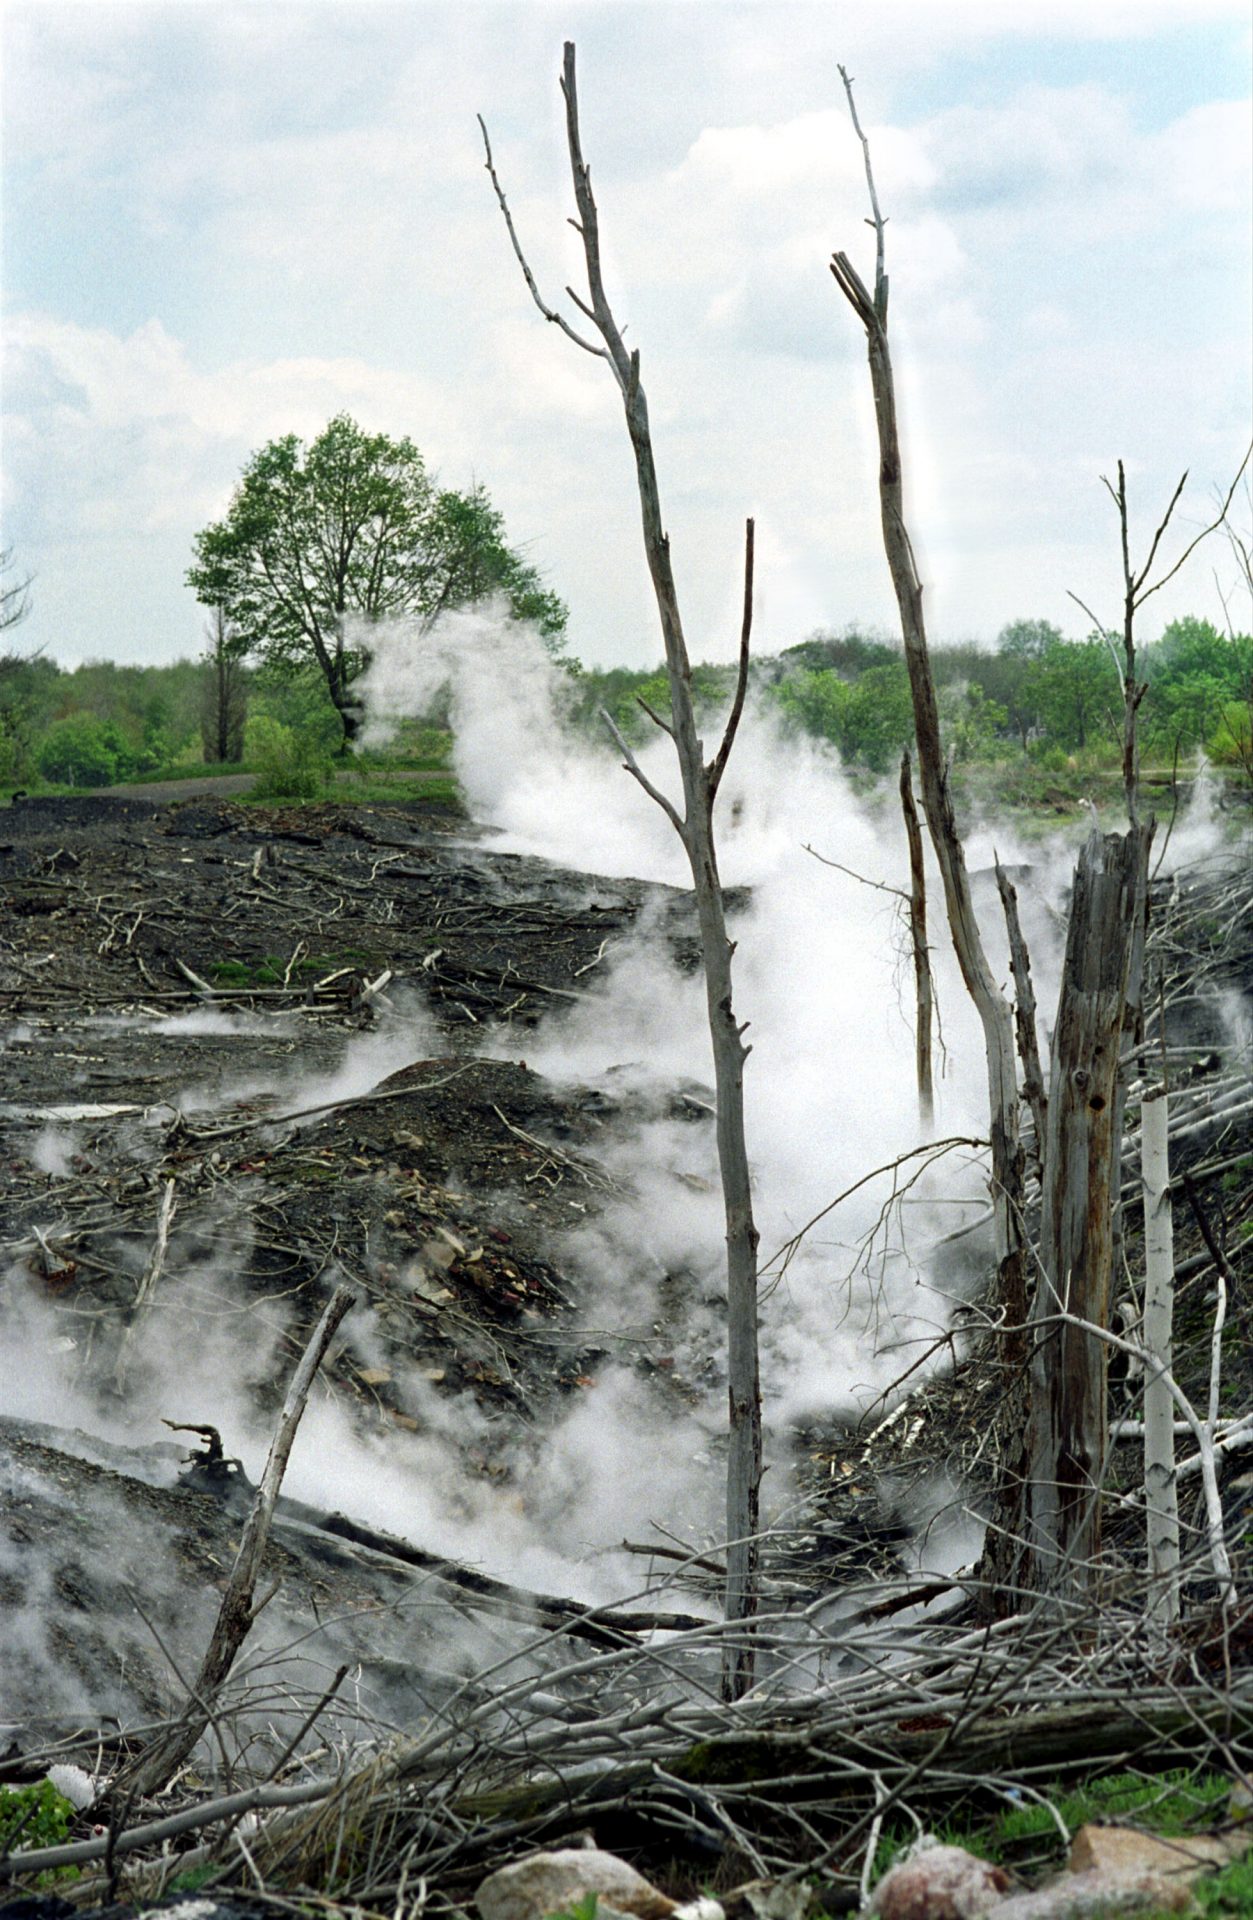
column 822, row 975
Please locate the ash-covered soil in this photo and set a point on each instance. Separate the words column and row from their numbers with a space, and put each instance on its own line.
column 304, row 1035
column 280, row 1014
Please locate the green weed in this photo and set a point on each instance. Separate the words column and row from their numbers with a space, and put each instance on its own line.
column 584, row 1909
column 34, row 1816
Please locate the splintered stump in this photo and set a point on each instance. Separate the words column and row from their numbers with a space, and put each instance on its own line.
column 1067, row 1425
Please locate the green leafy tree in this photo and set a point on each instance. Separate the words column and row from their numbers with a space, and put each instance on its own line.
column 470, row 561
column 28, row 686
column 1191, row 646
column 1076, row 691
column 1195, row 674
column 1009, row 675
column 1028, row 639
column 320, row 541
column 83, row 751
column 848, row 653
column 970, row 721
column 869, row 719
column 878, row 717
column 817, row 702
column 1231, row 744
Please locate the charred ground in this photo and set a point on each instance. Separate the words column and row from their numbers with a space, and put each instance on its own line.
column 171, row 977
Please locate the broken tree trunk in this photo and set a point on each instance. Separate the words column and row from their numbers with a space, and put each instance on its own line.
column 1068, row 1426
column 1024, row 1013
column 161, row 1759
column 923, row 991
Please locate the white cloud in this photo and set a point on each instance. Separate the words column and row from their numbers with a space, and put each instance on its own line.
column 1204, row 160
column 142, row 438
column 295, row 220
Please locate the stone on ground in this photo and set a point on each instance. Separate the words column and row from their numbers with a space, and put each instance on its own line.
column 939, row 1883
column 555, row 1882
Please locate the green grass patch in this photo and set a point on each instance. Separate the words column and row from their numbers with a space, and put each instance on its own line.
column 1027, row 1835
column 1173, row 1804
column 269, row 971
column 1228, row 1892
column 351, row 787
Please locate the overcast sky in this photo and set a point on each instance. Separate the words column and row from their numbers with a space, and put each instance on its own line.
column 223, row 223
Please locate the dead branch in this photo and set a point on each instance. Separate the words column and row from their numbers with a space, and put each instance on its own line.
column 159, row 1761
column 991, row 1005
column 148, row 1280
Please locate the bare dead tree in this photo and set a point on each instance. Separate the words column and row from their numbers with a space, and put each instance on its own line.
column 694, row 826
column 990, row 1003
column 1048, row 1520
column 1098, row 1033
column 1161, row 1491
column 224, row 695
column 1139, row 586
column 924, row 997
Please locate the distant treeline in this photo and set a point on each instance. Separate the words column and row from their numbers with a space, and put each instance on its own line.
column 100, row 723
column 1054, row 700
column 1058, row 702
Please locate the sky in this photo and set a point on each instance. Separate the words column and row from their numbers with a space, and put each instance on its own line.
column 222, row 223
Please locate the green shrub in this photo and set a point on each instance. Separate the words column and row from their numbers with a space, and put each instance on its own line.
column 288, row 765
column 1231, row 743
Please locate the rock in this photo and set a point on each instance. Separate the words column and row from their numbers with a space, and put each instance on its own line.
column 555, row 1882
column 769, row 1900
column 939, row 1883
column 1096, row 1895
column 1123, row 1850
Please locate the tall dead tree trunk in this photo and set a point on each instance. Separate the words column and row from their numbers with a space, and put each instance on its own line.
column 694, row 825
column 993, row 1008
column 924, row 997
column 1024, row 1013
column 224, row 697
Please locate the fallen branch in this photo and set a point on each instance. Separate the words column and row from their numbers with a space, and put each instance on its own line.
column 159, row 1761
column 148, row 1280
